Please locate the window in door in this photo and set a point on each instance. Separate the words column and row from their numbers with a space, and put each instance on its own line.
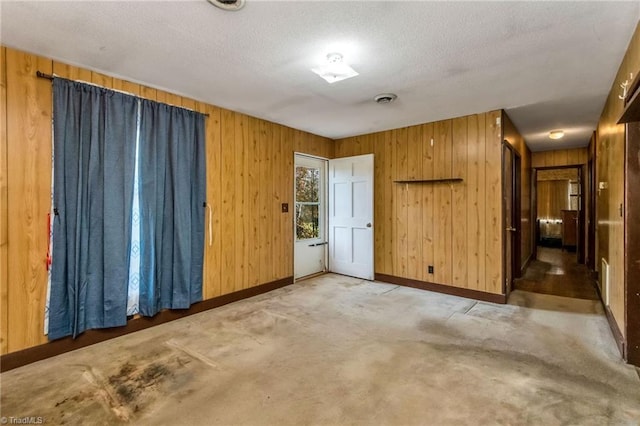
column 310, row 212
column 308, row 224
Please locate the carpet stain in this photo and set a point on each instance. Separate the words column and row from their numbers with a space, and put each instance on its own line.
column 125, row 394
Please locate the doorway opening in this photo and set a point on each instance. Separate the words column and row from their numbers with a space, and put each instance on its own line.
column 558, row 263
column 310, row 216
column 511, row 192
column 333, row 220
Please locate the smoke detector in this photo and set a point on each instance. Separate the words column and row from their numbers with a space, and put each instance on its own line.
column 385, row 98
column 231, row 5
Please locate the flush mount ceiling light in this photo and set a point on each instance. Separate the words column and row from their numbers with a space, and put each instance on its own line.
column 556, row 134
column 335, row 69
column 385, row 98
column 231, row 5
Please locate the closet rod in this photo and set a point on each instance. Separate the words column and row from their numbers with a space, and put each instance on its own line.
column 40, row 74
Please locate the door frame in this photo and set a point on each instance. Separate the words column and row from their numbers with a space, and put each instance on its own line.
column 516, row 212
column 591, row 221
column 325, row 212
column 372, row 272
column 631, row 210
column 580, row 247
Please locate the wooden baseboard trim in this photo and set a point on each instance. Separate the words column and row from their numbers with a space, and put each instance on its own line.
column 615, row 330
column 37, row 353
column 441, row 288
column 613, row 325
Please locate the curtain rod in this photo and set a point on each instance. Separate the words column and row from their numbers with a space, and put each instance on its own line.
column 40, row 74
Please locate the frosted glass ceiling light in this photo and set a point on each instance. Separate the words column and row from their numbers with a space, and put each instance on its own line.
column 335, row 69
column 231, row 5
column 556, row 134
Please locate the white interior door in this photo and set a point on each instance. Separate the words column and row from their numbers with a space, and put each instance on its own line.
column 351, row 216
column 310, row 253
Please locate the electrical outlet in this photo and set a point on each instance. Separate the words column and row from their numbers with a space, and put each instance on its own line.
column 285, row 207
column 430, row 269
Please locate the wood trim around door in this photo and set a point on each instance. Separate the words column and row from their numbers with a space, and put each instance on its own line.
column 632, row 243
column 516, row 212
column 581, row 214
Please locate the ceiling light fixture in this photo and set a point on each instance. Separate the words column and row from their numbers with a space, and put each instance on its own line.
column 556, row 134
column 231, row 5
column 335, row 69
column 385, row 98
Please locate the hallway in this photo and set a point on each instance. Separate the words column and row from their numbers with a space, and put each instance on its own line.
column 558, row 273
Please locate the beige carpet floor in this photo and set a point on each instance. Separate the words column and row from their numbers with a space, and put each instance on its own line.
column 335, row 350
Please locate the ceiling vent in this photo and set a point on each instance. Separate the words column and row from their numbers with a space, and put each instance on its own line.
column 231, row 5
column 385, row 98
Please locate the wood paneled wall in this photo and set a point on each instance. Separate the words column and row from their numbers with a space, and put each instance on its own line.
column 570, row 174
column 560, row 157
column 28, row 196
column 456, row 227
column 249, row 175
column 610, row 151
column 553, row 197
column 527, row 217
column 4, row 237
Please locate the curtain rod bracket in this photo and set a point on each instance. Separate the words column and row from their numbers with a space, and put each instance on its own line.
column 40, row 74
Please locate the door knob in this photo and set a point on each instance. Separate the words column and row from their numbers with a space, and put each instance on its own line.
column 512, row 229
column 369, row 225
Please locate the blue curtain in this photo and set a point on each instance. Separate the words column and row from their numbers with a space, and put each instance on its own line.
column 172, row 197
column 94, row 154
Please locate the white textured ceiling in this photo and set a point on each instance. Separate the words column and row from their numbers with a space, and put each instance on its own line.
column 549, row 64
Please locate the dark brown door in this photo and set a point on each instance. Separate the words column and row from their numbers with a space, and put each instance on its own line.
column 511, row 210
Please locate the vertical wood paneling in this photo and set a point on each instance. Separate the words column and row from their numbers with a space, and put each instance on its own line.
column 428, row 204
column 101, row 80
column 211, row 284
column 459, row 208
column 389, row 203
column 457, row 225
column 29, row 195
column 475, row 182
column 561, row 157
column 415, row 264
column 266, row 210
column 288, row 138
column 4, row 239
column 253, row 174
column 240, row 208
column 379, row 192
column 442, row 203
column 286, row 185
column 276, row 196
column 229, row 191
column 493, row 220
column 184, row 102
column 149, row 93
column 70, row 72
column 401, row 206
column 132, row 88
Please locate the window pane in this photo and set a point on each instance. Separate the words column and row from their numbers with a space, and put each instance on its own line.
column 307, row 221
column 307, row 184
